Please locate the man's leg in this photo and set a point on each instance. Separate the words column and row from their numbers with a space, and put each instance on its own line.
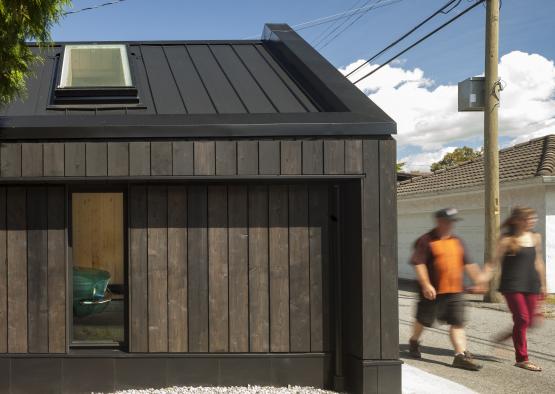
column 458, row 339
column 417, row 330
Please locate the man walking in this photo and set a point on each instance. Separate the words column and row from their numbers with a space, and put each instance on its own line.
column 440, row 259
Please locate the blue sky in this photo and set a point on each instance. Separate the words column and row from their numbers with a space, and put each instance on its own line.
column 452, row 55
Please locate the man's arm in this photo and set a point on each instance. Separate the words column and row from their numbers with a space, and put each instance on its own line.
column 428, row 291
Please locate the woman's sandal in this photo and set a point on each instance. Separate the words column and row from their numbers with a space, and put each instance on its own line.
column 529, row 366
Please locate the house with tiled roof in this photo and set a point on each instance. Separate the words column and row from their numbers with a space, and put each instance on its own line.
column 527, row 177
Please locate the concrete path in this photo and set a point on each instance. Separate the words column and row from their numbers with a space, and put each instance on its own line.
column 417, row 381
column 498, row 375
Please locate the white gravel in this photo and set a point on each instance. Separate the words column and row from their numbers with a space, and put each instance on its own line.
column 231, row 390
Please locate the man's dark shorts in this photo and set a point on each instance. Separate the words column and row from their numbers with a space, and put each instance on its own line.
column 447, row 308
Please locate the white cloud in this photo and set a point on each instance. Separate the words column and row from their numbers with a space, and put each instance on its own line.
column 426, row 113
column 421, row 161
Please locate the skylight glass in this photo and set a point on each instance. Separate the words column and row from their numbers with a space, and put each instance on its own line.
column 89, row 66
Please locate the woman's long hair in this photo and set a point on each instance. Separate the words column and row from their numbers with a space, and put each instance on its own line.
column 513, row 227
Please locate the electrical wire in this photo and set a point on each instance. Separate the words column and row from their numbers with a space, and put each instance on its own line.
column 339, row 26
column 93, row 7
column 330, row 18
column 350, row 25
column 327, row 29
column 422, row 39
column 419, row 25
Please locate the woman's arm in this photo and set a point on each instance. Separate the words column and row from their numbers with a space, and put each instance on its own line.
column 539, row 264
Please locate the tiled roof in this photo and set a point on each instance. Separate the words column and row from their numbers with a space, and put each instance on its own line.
column 526, row 160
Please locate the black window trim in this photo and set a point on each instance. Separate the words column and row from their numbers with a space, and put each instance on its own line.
column 104, row 96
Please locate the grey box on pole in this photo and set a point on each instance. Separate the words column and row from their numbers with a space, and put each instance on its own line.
column 472, row 94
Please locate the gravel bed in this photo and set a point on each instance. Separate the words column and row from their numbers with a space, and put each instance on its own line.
column 231, row 390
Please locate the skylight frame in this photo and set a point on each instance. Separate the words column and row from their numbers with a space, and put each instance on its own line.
column 66, row 60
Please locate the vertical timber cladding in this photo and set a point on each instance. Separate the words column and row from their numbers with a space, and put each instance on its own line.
column 32, row 270
column 229, row 268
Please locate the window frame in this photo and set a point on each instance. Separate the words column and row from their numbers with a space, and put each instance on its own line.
column 96, row 96
column 124, row 62
column 71, row 344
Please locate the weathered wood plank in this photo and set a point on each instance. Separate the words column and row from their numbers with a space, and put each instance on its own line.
column 3, row 274
column 313, row 157
column 299, row 272
column 75, row 159
column 258, row 269
column 183, row 158
column 198, row 269
column 388, row 250
column 157, row 269
column 319, row 278
column 138, row 269
column 334, row 157
column 370, row 280
column 238, row 269
column 17, row 270
column 247, row 157
column 139, row 158
column 96, row 158
column 118, row 158
column 279, row 267
column 37, row 269
column 31, row 164
column 56, row 270
column 205, row 158
column 10, row 159
column 177, row 269
column 54, row 159
column 353, row 156
column 291, row 157
column 268, row 157
column 226, row 157
column 218, row 269
column 161, row 158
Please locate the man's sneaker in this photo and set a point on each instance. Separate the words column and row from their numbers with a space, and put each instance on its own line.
column 414, row 349
column 463, row 361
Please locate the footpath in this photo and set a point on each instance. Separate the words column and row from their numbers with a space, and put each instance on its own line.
column 498, row 375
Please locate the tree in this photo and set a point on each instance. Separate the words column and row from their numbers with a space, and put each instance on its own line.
column 459, row 155
column 21, row 21
column 399, row 166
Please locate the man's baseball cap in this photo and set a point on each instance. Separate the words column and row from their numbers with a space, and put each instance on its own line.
column 448, row 213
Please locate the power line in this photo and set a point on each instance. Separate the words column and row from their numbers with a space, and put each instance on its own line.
column 93, row 7
column 422, row 39
column 327, row 29
column 349, row 25
column 334, row 17
column 439, row 11
column 329, row 33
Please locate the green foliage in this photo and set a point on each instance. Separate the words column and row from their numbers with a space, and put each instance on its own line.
column 21, row 21
column 459, row 155
column 399, row 166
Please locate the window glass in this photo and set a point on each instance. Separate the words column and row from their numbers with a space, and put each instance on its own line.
column 95, row 66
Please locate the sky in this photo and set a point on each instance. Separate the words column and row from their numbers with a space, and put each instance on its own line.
column 418, row 90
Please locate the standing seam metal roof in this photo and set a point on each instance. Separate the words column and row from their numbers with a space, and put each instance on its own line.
column 192, row 78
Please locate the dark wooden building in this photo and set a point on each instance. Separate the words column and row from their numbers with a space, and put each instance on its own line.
column 196, row 213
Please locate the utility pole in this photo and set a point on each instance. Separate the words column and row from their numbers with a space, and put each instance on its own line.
column 491, row 150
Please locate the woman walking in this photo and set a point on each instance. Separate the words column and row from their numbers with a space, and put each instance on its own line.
column 519, row 253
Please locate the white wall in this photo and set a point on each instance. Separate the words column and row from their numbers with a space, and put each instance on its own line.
column 416, row 217
column 549, row 237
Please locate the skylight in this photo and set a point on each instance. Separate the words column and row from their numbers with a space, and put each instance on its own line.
column 90, row 66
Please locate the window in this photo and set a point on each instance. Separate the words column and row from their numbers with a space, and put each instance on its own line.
column 95, row 66
column 98, row 268
column 95, row 75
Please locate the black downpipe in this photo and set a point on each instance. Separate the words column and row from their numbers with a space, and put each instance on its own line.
column 338, row 379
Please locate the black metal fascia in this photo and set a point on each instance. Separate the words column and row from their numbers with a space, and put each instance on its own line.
column 313, row 71
column 61, row 127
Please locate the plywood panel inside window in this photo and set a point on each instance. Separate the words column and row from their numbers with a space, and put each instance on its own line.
column 98, row 232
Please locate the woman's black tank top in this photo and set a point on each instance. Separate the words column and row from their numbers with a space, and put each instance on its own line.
column 518, row 272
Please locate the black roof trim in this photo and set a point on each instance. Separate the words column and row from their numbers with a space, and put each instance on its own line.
column 192, row 126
